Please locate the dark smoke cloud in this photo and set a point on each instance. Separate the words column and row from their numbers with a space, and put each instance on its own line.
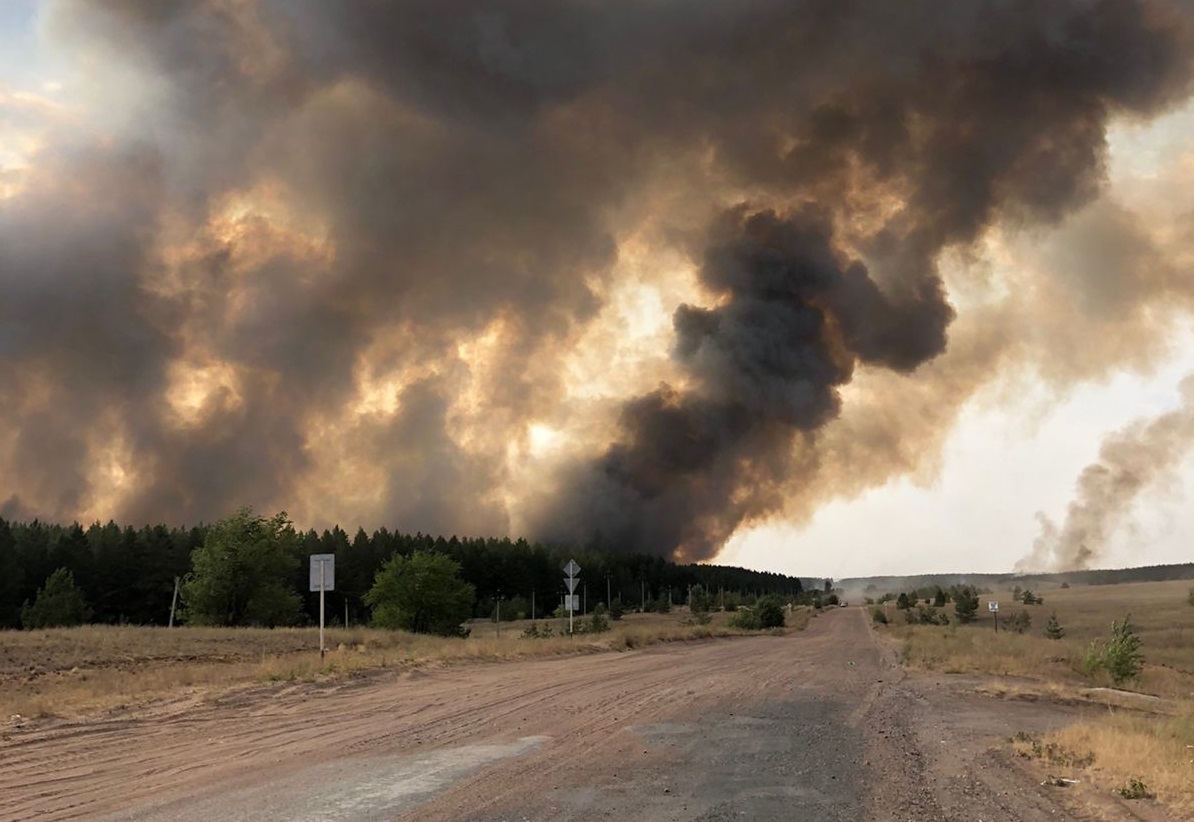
column 1131, row 462
column 423, row 177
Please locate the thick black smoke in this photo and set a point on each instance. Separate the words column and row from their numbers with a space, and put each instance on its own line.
column 256, row 268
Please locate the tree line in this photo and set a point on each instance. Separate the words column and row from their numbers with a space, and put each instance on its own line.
column 126, row 575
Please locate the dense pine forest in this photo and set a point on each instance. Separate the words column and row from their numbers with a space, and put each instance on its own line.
column 127, row 575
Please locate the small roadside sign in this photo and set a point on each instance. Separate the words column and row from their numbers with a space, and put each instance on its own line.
column 571, row 569
column 572, row 602
column 992, row 606
column 323, row 572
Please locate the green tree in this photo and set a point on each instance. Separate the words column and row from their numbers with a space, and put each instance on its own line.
column 12, row 578
column 939, row 599
column 902, row 601
column 421, row 593
column 1122, row 657
column 243, row 573
column 966, row 605
column 59, row 602
column 616, row 609
column 1053, row 629
column 771, row 612
column 1021, row 622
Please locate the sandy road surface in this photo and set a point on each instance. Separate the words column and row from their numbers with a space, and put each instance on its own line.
column 819, row 725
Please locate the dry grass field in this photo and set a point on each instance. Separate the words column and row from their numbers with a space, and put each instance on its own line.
column 73, row 672
column 1146, row 732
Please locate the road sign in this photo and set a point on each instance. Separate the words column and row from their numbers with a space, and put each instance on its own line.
column 992, row 606
column 323, row 572
column 323, row 579
column 571, row 600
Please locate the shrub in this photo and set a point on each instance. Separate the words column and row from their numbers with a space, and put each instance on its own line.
column 771, row 612
column 1020, row 622
column 746, row 620
column 616, row 609
column 1122, row 657
column 926, row 615
column 597, row 622
column 1053, row 628
column 878, row 616
column 1135, row 789
column 902, row 601
column 1092, row 659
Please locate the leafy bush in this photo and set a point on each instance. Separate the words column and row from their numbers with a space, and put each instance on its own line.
column 746, row 620
column 878, row 616
column 926, row 615
column 902, row 601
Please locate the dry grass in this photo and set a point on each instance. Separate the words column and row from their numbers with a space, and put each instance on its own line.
column 1138, row 738
column 71, row 672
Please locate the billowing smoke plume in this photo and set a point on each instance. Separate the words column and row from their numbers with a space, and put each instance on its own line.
column 1131, row 462
column 335, row 257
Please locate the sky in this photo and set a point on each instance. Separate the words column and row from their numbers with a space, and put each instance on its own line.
column 1053, row 324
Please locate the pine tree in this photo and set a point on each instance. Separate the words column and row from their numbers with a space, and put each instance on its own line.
column 59, row 602
column 1122, row 657
column 1053, row 628
column 966, row 605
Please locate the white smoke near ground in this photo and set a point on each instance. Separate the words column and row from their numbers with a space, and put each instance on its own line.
column 1131, row 462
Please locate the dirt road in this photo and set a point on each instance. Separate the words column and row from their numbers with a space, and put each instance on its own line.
column 819, row 725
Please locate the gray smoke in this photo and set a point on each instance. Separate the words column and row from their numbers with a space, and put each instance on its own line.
column 436, row 172
column 1131, row 462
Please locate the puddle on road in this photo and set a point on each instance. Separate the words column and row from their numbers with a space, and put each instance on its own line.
column 374, row 788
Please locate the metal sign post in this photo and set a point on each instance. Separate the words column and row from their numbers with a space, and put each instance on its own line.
column 571, row 569
column 993, row 607
column 323, row 579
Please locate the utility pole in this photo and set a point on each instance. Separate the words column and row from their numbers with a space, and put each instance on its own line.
column 173, row 603
column 608, row 601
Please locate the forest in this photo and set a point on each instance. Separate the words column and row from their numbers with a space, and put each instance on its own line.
column 127, row 575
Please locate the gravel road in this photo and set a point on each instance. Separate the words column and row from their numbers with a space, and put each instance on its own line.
column 817, row 725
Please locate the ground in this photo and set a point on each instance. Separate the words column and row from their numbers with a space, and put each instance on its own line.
column 820, row 725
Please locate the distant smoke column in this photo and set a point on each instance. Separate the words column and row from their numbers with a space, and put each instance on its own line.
column 1130, row 462
column 763, row 369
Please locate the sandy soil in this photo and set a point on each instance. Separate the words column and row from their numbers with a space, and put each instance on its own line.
column 817, row 725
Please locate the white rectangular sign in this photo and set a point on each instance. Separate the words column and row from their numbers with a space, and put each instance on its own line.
column 572, row 602
column 328, row 563
column 992, row 606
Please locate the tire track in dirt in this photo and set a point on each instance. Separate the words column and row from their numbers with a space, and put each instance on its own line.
column 645, row 734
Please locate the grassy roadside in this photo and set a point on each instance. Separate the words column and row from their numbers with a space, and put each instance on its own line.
column 1147, row 732
column 74, row 672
